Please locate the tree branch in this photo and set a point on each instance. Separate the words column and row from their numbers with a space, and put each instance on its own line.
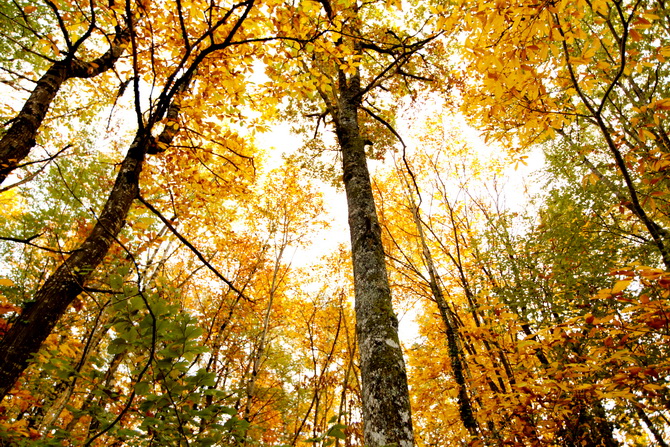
column 191, row 247
column 27, row 242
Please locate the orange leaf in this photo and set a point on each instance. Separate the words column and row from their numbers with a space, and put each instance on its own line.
column 656, row 323
column 7, row 308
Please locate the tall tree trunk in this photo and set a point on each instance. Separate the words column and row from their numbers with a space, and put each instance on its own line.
column 36, row 322
column 51, row 301
column 456, row 354
column 386, row 408
column 16, row 144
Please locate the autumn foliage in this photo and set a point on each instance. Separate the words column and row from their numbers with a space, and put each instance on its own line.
column 175, row 275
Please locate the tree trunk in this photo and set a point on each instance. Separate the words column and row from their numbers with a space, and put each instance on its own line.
column 37, row 320
column 658, row 437
column 456, row 355
column 386, row 407
column 16, row 144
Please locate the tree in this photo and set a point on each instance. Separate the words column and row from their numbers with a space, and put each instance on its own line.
column 20, row 137
column 589, row 71
column 364, row 59
column 65, row 284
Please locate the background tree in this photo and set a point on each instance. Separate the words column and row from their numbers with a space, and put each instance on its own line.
column 592, row 72
column 24, row 34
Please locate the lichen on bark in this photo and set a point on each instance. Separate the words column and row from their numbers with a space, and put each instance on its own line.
column 385, row 394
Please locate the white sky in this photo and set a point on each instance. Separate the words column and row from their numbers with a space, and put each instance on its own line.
column 279, row 141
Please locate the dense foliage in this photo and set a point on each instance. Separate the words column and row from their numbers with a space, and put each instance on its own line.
column 168, row 278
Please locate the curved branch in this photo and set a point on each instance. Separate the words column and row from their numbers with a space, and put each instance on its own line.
column 657, row 233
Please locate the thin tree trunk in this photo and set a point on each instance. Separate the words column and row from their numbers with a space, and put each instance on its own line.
column 386, row 408
column 456, row 354
column 89, row 400
column 262, row 342
column 52, row 413
column 658, row 437
column 16, row 144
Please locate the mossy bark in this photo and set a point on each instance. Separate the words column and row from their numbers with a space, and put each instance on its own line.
column 385, row 395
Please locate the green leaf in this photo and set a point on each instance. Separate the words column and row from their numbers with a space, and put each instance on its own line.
column 336, row 431
column 126, row 433
column 136, row 303
column 116, row 281
column 117, row 346
column 141, row 388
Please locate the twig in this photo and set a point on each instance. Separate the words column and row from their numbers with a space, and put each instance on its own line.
column 27, row 242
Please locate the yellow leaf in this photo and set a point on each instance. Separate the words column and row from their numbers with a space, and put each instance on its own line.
column 650, row 17
column 6, row 282
column 645, row 135
column 67, row 350
column 590, row 178
column 395, row 3
column 620, row 286
column 592, row 49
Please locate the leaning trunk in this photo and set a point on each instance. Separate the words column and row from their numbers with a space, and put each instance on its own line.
column 386, row 408
column 16, row 144
column 51, row 301
column 456, row 354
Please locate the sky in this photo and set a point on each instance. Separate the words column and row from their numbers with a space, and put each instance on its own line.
column 516, row 178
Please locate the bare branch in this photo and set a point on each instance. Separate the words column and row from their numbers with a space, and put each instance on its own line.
column 191, row 247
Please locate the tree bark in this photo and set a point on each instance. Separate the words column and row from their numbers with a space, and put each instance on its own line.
column 16, row 144
column 658, row 437
column 456, row 355
column 386, row 407
column 37, row 320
